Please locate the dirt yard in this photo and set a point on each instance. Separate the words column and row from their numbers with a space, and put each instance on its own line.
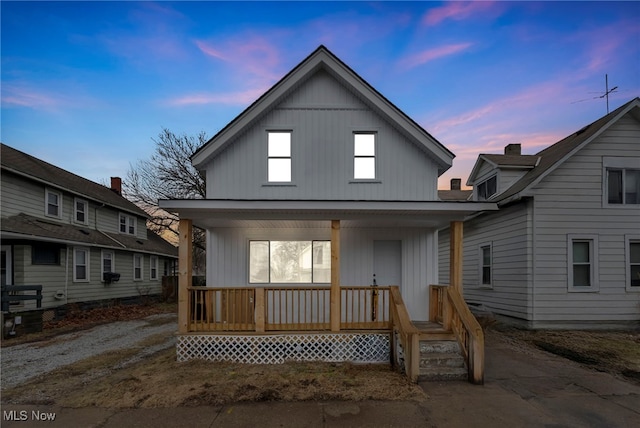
column 157, row 380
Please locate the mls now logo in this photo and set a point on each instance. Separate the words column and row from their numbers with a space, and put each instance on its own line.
column 23, row 415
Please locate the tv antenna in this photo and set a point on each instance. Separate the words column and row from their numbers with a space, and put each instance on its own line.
column 605, row 95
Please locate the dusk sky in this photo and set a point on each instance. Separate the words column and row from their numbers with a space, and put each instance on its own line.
column 86, row 86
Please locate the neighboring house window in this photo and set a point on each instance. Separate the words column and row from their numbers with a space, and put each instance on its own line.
column 486, row 263
column 153, row 267
column 127, row 224
column 81, row 264
column 633, row 263
column 80, row 211
column 623, row 186
column 289, row 262
column 45, row 254
column 621, row 181
column 279, row 157
column 108, row 261
column 582, row 263
column 487, row 188
column 137, row 267
column 53, row 203
column 364, row 156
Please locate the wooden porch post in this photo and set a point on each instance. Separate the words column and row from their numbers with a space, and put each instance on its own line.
column 185, row 269
column 335, row 295
column 455, row 254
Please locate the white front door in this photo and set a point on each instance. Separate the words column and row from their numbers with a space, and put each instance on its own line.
column 387, row 262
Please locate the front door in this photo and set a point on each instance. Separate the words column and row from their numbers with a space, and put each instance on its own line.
column 387, row 262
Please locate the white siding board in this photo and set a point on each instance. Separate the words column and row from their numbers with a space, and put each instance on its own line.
column 570, row 201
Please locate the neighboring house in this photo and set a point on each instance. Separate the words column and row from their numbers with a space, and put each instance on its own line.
column 563, row 250
column 72, row 235
column 322, row 160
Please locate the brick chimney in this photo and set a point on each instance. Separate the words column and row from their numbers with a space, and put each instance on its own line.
column 456, row 183
column 116, row 185
column 513, row 149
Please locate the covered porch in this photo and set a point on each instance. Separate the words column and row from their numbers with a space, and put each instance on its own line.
column 267, row 323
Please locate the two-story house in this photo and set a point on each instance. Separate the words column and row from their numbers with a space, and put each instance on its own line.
column 320, row 187
column 563, row 250
column 79, row 240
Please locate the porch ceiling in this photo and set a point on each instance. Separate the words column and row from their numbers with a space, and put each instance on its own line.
column 273, row 213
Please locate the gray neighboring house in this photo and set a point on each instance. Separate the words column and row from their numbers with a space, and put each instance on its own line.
column 70, row 235
column 563, row 250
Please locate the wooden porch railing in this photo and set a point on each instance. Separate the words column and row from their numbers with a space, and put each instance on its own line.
column 448, row 308
column 408, row 335
column 262, row 309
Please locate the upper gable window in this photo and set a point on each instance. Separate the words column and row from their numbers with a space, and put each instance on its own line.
column 487, row 188
column 53, row 203
column 623, row 186
column 621, row 181
column 364, row 156
column 127, row 224
column 279, row 153
column 80, row 208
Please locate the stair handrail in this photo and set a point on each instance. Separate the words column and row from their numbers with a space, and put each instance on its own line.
column 466, row 328
column 408, row 334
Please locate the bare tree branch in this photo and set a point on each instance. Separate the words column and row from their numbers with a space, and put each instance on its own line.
column 168, row 174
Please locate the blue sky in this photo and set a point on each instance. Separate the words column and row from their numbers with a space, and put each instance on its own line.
column 87, row 85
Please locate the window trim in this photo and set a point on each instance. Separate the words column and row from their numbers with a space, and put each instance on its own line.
column 276, row 157
column 87, row 252
column 113, row 261
column 75, row 211
column 622, row 164
column 375, row 177
column 593, row 261
column 141, row 277
column 130, row 221
column 153, row 264
column 481, row 265
column 486, row 181
column 628, row 240
column 55, row 249
column 268, row 241
column 48, row 191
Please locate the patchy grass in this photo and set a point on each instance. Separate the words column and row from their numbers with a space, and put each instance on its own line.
column 615, row 352
column 160, row 381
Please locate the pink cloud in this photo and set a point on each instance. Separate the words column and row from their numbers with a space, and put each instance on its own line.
column 233, row 98
column 23, row 95
column 432, row 54
column 456, row 10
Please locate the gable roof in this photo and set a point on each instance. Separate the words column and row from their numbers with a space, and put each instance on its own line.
column 554, row 155
column 521, row 162
column 36, row 169
column 322, row 58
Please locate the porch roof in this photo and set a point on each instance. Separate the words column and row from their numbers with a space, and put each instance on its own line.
column 230, row 213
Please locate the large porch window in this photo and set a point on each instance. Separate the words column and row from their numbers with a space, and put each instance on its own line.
column 289, row 262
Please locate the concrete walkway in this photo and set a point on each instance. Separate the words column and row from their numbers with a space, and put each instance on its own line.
column 524, row 388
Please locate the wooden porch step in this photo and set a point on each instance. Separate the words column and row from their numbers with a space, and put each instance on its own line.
column 433, row 331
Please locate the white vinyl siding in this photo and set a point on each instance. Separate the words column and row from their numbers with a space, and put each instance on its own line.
column 572, row 200
column 81, row 264
column 325, row 115
column 52, row 203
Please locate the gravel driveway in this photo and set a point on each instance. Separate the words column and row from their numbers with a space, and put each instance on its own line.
column 21, row 363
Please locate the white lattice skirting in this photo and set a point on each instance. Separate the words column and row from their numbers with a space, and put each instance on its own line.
column 276, row 349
